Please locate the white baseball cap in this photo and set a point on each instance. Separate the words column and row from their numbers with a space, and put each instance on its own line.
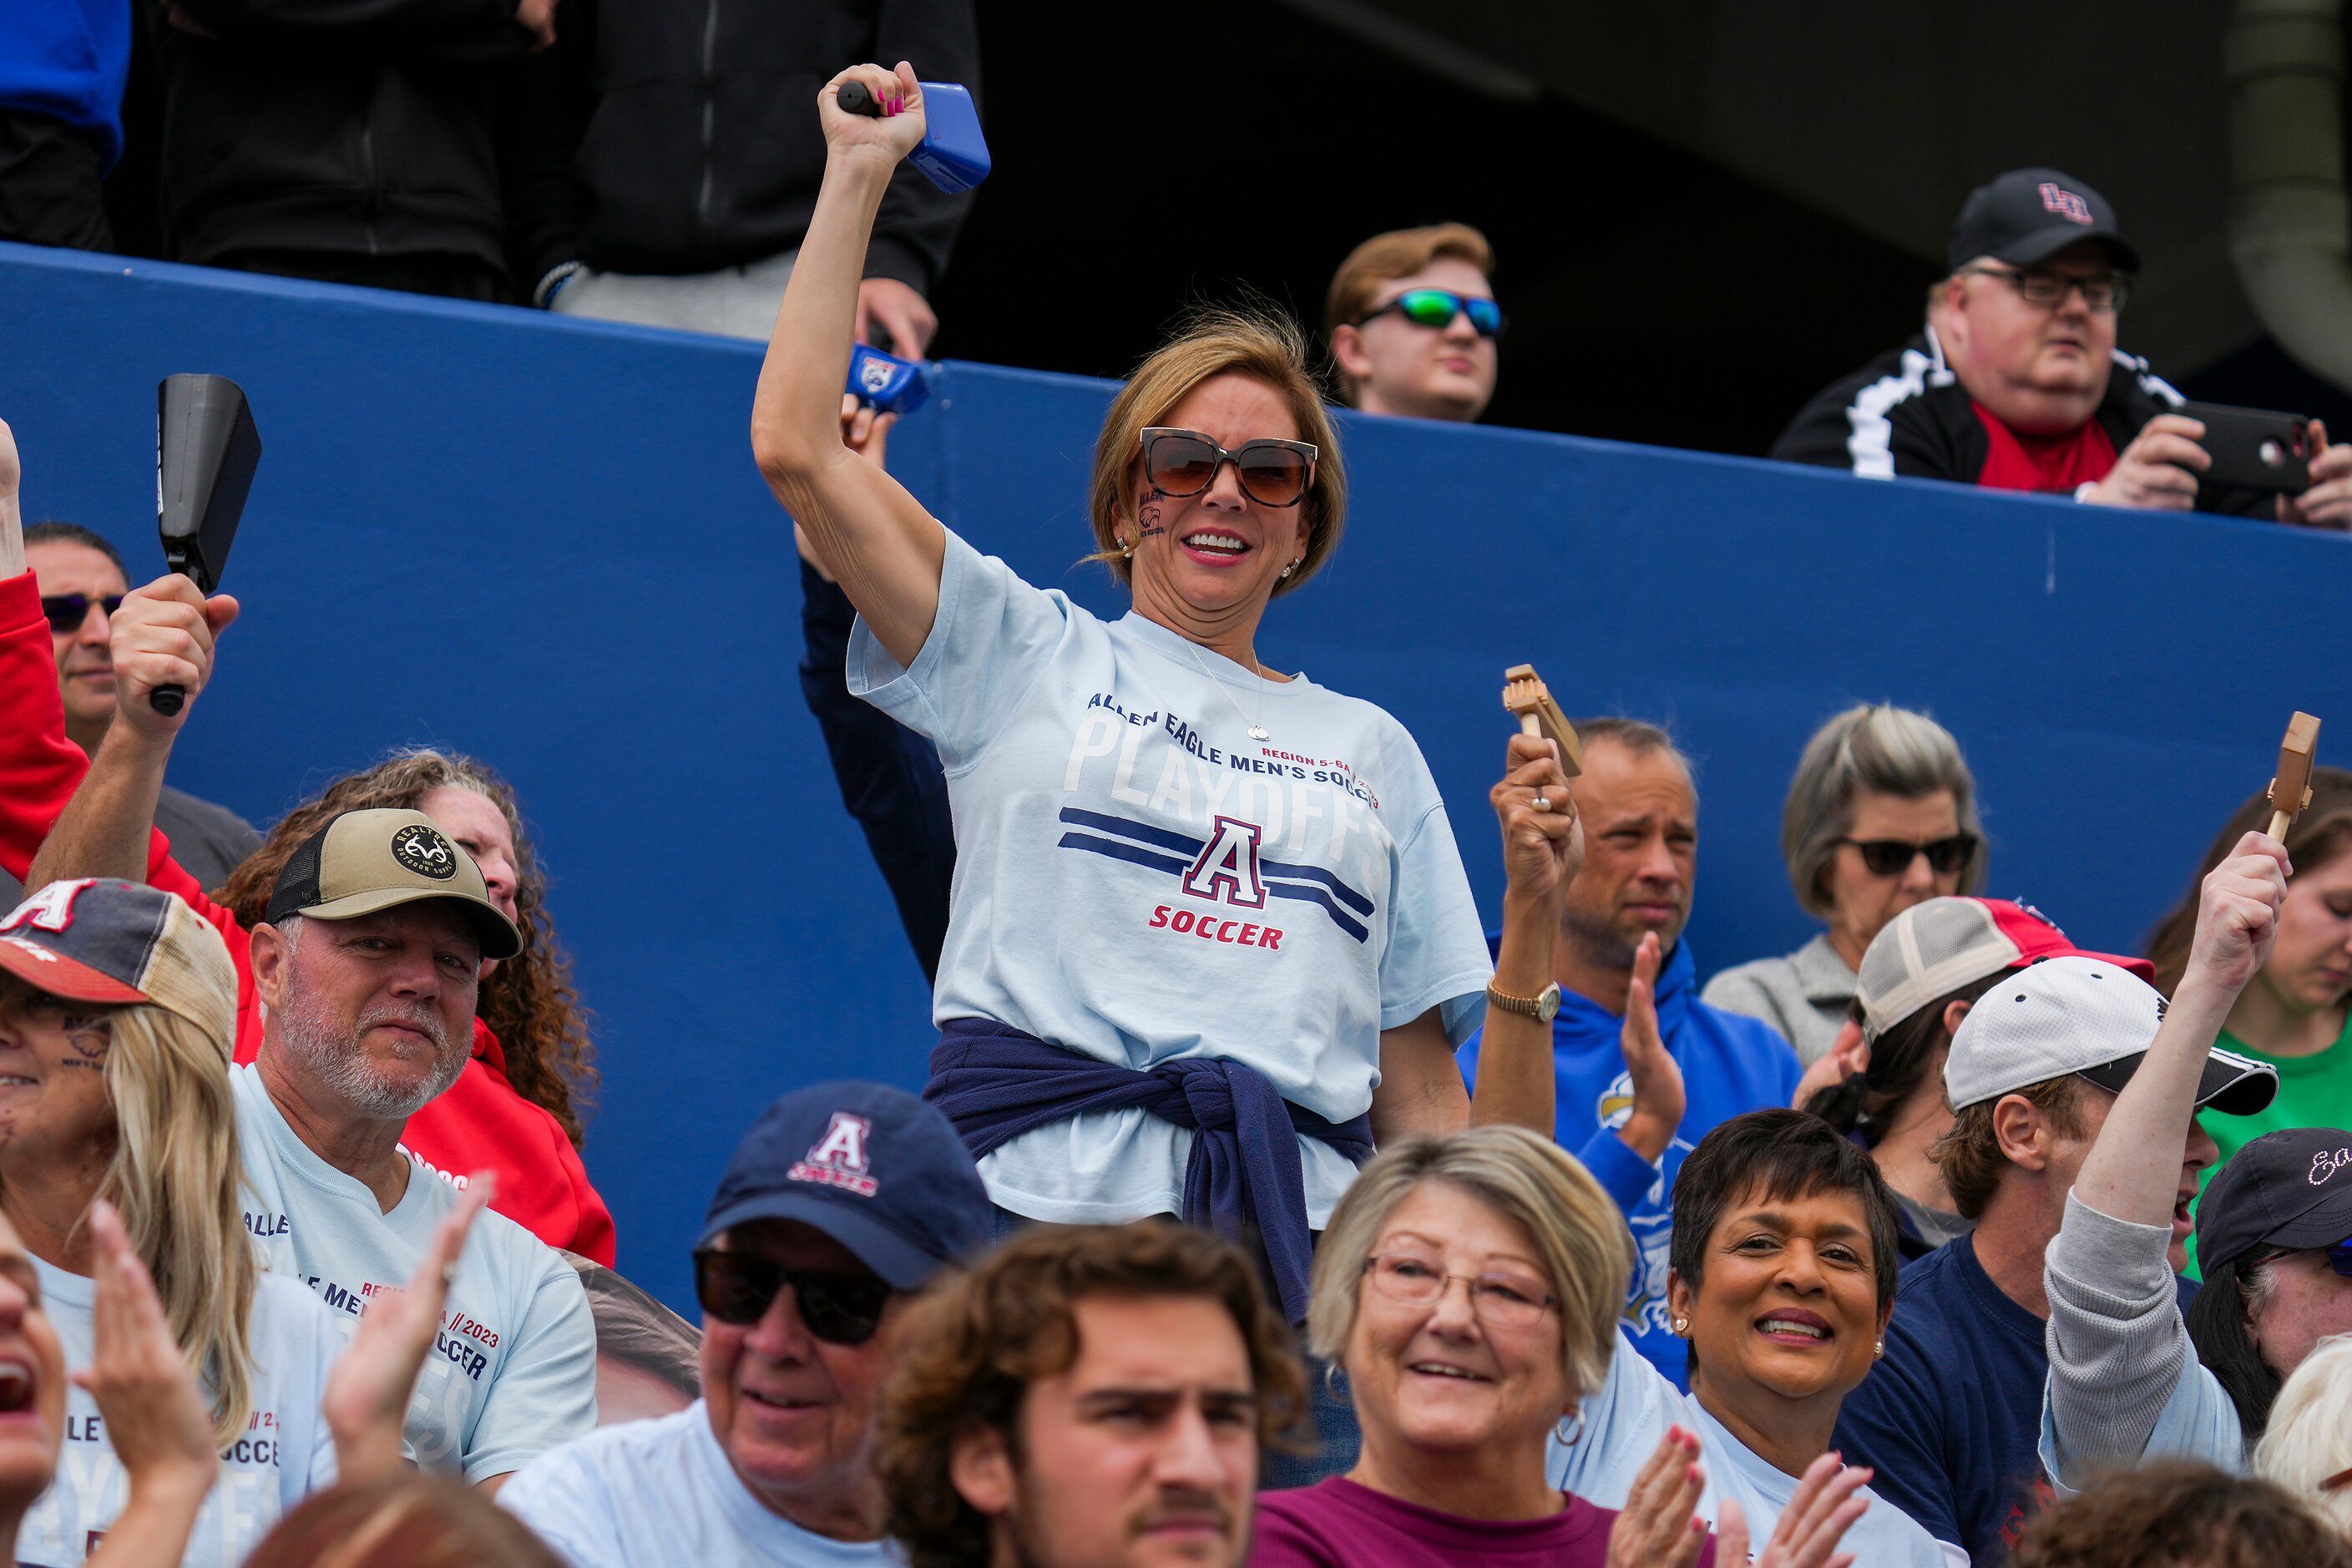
column 2086, row 1016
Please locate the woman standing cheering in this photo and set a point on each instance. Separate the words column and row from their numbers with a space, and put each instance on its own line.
column 1209, row 936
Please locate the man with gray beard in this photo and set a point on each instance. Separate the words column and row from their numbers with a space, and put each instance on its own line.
column 366, row 969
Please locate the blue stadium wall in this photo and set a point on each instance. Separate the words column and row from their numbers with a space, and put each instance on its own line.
column 544, row 541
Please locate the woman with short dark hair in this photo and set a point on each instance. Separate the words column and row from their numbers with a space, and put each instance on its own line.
column 1504, row 1418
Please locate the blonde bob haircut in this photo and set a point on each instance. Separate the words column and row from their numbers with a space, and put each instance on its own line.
column 1212, row 341
column 175, row 1169
column 2308, row 1443
column 1580, row 1239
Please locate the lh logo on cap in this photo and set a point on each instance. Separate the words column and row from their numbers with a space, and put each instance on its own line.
column 2066, row 204
column 838, row 1159
column 422, row 851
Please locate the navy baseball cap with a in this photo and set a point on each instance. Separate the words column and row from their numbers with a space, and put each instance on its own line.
column 871, row 1166
column 2290, row 1189
column 2031, row 215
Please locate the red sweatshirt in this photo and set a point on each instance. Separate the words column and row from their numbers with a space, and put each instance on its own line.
column 480, row 1123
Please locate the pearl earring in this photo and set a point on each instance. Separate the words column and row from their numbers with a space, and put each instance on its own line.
column 1879, row 1349
column 1682, row 1326
column 1292, row 567
column 1126, row 550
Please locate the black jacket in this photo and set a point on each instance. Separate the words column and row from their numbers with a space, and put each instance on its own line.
column 698, row 145
column 357, row 126
column 1907, row 415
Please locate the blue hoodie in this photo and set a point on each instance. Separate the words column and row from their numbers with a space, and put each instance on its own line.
column 67, row 59
column 1730, row 1064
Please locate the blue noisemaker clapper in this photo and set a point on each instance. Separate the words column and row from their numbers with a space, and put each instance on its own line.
column 885, row 383
column 952, row 152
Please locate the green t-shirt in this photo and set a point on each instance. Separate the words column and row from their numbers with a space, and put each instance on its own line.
column 2314, row 1091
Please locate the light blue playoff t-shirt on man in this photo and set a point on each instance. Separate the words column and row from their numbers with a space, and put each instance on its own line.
column 662, row 1492
column 1139, row 881
column 1625, row 1423
column 512, row 1371
column 284, row 1454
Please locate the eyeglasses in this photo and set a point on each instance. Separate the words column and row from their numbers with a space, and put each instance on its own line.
column 1506, row 1300
column 2039, row 286
column 1184, row 463
column 1892, row 856
column 1436, row 307
column 67, row 612
column 2339, row 1258
column 738, row 1287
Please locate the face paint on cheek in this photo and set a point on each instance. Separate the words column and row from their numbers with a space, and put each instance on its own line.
column 89, row 1039
column 1147, row 515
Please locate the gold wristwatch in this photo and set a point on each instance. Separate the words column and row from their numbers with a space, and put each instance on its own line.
column 1541, row 1006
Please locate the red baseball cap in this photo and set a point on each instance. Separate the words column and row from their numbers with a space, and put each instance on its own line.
column 99, row 939
column 1936, row 947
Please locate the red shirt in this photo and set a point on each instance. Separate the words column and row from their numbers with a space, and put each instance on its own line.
column 2062, row 463
column 480, row 1123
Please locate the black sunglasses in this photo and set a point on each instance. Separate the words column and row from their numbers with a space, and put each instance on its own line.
column 1185, row 462
column 67, row 612
column 1892, row 856
column 738, row 1287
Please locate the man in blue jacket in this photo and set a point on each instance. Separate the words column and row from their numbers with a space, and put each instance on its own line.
column 62, row 67
column 1644, row 1068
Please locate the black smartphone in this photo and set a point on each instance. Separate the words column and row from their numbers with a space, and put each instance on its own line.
column 2255, row 448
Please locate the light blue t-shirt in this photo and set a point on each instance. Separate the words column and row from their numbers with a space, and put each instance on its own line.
column 1139, row 881
column 1625, row 1423
column 512, row 1372
column 662, row 1492
column 284, row 1454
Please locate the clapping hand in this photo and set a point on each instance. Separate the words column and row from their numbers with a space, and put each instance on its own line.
column 367, row 1394
column 1816, row 1519
column 1660, row 1527
column 155, row 1417
column 1657, row 1078
column 1848, row 1055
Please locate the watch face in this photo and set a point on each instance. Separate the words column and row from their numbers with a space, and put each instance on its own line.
column 1547, row 1005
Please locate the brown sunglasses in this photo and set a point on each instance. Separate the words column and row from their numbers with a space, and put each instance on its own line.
column 1271, row 473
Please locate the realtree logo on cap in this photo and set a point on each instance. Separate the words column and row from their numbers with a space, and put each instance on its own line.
column 422, row 851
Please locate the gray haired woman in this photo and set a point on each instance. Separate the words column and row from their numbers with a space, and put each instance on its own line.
column 1881, row 815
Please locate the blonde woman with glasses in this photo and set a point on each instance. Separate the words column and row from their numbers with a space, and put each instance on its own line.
column 1464, row 1394
column 1210, row 939
column 117, row 1005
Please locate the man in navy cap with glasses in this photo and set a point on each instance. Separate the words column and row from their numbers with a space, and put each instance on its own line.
column 843, row 1201
column 2015, row 382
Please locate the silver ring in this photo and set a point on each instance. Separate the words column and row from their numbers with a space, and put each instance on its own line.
column 1540, row 803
